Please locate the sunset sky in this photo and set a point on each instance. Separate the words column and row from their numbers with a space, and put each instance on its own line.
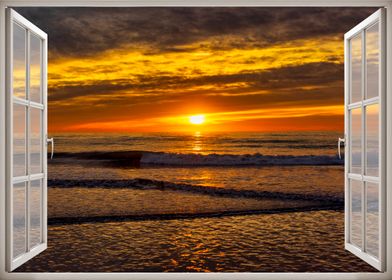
column 150, row 69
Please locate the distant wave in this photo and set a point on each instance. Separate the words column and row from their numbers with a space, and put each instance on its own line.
column 140, row 183
column 173, row 159
column 289, row 146
column 132, row 158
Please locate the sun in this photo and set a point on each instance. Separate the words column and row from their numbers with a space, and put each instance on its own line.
column 197, row 119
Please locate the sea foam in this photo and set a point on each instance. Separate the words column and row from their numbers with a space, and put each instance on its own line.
column 174, row 159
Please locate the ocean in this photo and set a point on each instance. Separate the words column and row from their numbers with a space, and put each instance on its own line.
column 294, row 163
column 292, row 143
column 196, row 202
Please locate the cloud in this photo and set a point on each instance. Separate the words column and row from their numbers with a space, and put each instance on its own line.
column 292, row 78
column 86, row 31
column 129, row 66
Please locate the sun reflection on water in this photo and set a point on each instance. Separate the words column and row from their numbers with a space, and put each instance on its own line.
column 197, row 143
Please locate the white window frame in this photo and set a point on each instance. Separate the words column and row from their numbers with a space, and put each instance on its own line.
column 377, row 17
column 30, row 29
column 206, row 3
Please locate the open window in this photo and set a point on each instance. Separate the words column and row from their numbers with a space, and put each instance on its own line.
column 365, row 125
column 365, row 140
column 26, row 140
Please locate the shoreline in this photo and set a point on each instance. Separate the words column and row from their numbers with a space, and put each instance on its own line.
column 186, row 216
column 151, row 184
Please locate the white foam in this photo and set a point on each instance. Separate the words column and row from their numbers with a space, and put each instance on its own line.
column 174, row 159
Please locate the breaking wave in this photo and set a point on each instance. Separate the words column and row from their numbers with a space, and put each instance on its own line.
column 136, row 158
column 174, row 159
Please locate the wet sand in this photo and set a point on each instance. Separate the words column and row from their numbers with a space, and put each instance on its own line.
column 287, row 242
column 78, row 203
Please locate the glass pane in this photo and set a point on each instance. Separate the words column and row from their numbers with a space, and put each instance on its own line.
column 356, row 138
column 372, row 140
column 35, row 68
column 372, row 61
column 19, row 140
column 19, row 219
column 19, row 61
column 356, row 68
column 356, row 213
column 35, row 141
column 35, row 213
column 372, row 219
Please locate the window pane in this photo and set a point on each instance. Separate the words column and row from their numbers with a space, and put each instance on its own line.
column 356, row 138
column 356, row 213
column 19, row 61
column 372, row 61
column 356, row 68
column 35, row 68
column 19, row 140
column 35, row 213
column 35, row 141
column 19, row 219
column 372, row 140
column 372, row 219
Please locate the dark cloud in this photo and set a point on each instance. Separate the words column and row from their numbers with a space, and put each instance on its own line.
column 86, row 31
column 312, row 74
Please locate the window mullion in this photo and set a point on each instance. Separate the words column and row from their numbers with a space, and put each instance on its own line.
column 28, row 185
column 363, row 132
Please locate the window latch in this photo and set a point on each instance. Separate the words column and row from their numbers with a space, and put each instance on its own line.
column 340, row 141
